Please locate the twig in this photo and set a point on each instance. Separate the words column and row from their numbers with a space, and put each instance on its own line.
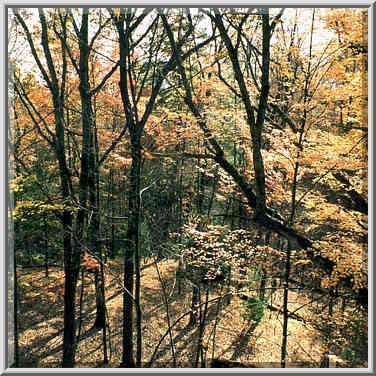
column 167, row 315
column 150, row 362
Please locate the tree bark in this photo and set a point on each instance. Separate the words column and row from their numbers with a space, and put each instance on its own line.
column 131, row 252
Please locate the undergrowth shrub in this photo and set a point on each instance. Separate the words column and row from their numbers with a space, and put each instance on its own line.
column 253, row 309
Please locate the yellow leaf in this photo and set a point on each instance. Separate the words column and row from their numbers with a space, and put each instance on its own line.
column 303, row 262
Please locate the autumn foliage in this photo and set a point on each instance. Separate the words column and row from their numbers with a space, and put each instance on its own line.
column 229, row 146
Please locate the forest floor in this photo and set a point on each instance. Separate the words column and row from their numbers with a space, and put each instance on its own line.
column 40, row 321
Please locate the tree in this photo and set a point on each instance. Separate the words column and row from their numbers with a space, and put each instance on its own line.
column 57, row 85
column 57, row 141
column 131, row 86
column 271, row 220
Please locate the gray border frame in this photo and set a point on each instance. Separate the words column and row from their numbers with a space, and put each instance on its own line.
column 5, row 170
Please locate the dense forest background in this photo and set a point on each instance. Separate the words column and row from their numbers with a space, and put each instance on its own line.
column 188, row 187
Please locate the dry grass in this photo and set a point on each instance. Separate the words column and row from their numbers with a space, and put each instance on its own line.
column 41, row 325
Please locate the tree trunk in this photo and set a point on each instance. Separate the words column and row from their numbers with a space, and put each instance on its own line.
column 45, row 247
column 194, row 303
column 256, row 125
column 71, row 255
column 15, row 313
column 71, row 270
column 112, row 236
column 94, row 231
column 131, row 258
column 263, row 279
column 285, row 307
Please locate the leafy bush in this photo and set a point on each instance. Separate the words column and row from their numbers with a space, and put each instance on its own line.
column 253, row 309
column 348, row 353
